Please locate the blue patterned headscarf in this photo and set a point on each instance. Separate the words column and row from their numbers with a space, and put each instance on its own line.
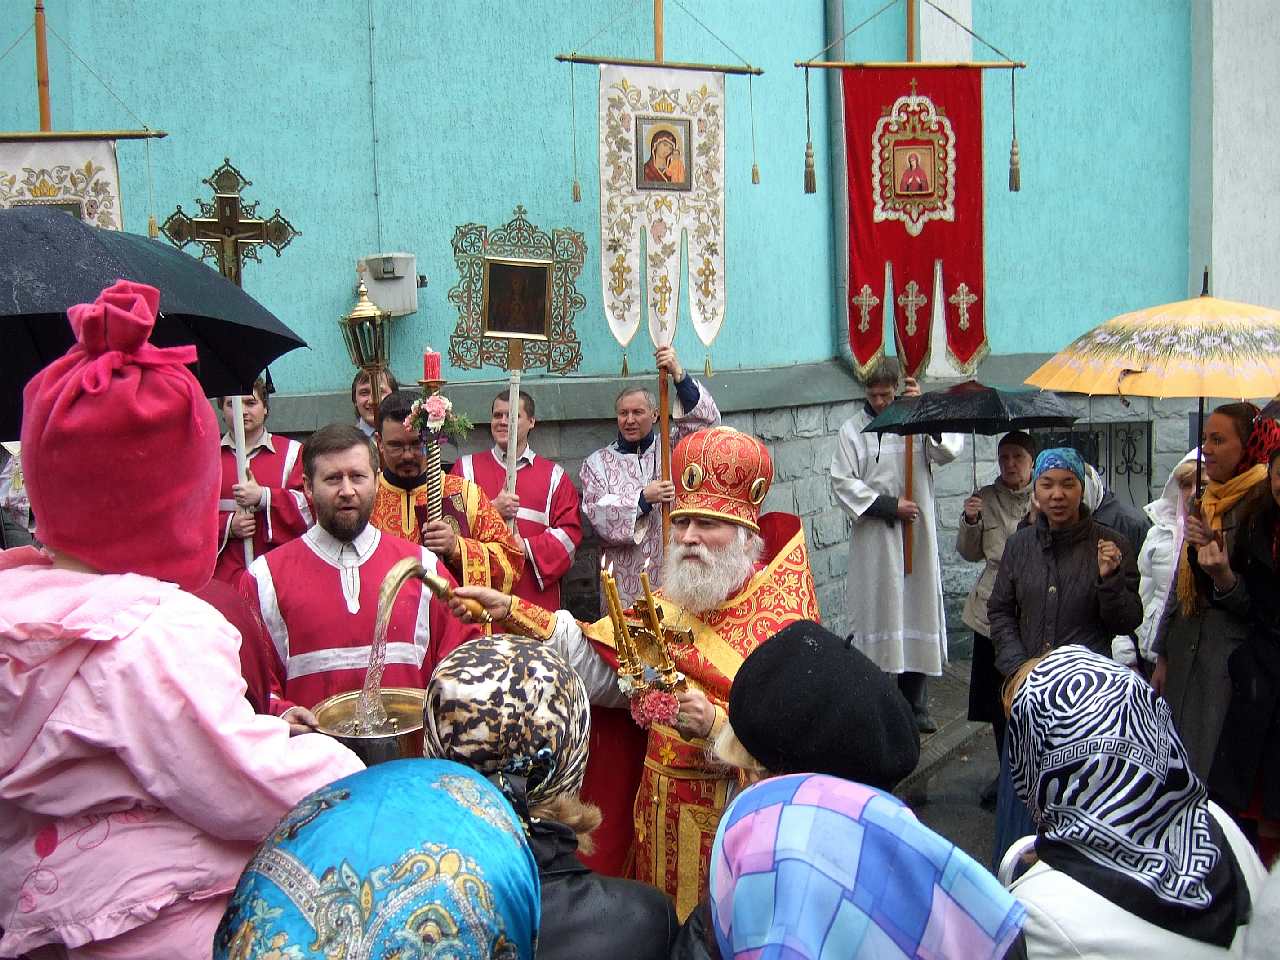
column 411, row 859
column 1059, row 458
column 809, row 866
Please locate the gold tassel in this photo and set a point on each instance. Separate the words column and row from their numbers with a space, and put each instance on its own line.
column 577, row 191
column 1015, row 165
column 706, row 367
column 755, row 174
column 153, row 229
column 626, row 371
column 810, row 175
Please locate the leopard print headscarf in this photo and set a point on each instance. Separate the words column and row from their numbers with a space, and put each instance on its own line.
column 507, row 705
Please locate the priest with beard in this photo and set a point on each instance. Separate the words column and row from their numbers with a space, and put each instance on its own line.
column 318, row 595
column 732, row 578
column 470, row 537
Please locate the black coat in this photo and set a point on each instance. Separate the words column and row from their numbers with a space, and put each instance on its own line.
column 585, row 914
column 1048, row 593
column 1128, row 521
column 1248, row 752
column 697, row 938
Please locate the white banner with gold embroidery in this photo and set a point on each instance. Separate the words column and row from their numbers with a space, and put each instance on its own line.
column 661, row 179
column 78, row 176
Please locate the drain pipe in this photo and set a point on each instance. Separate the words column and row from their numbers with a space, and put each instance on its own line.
column 837, row 183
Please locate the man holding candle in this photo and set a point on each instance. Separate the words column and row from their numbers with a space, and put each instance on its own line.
column 544, row 505
column 732, row 578
column 622, row 488
column 471, row 537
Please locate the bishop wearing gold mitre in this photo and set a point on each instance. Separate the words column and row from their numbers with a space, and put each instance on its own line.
column 470, row 537
column 731, row 579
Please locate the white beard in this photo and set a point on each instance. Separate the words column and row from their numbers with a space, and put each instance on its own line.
column 699, row 587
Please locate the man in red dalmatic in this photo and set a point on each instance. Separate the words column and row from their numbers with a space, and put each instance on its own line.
column 318, row 595
column 269, row 509
column 732, row 579
column 544, row 505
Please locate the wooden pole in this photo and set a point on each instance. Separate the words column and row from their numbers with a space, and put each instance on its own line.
column 909, row 456
column 42, row 69
column 911, row 29
column 657, row 30
column 664, row 387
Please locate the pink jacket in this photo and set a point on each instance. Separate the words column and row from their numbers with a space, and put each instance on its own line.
column 133, row 772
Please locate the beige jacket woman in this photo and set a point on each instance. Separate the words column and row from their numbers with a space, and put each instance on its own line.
column 1002, row 510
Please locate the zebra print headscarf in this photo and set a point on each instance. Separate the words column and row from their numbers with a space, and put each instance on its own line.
column 1095, row 757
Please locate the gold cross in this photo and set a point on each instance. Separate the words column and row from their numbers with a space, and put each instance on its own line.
column 707, row 274
column 963, row 299
column 619, row 271
column 228, row 228
column 865, row 301
column 661, row 299
column 911, row 300
column 913, row 86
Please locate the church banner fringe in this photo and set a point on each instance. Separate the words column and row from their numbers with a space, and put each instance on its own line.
column 661, row 180
column 914, row 153
column 78, row 176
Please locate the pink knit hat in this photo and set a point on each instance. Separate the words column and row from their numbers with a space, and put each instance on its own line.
column 120, row 447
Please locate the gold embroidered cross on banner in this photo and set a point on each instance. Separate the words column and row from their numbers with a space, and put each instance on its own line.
column 865, row 301
column 963, row 299
column 911, row 300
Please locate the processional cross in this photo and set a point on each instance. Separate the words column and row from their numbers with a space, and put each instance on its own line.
column 228, row 228
column 230, row 232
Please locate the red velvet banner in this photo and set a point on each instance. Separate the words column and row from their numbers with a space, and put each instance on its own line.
column 913, row 142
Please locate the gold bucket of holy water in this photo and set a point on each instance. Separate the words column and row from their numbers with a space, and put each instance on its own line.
column 380, row 724
column 401, row 737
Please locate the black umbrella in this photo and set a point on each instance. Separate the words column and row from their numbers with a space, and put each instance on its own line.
column 972, row 407
column 50, row 261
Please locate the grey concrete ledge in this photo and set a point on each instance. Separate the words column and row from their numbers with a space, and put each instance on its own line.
column 591, row 398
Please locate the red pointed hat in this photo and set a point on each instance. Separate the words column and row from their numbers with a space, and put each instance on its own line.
column 722, row 474
column 120, row 447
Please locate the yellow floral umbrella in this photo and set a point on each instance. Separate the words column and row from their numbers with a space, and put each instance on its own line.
column 1204, row 347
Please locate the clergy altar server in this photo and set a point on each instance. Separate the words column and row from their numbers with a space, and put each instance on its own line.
column 318, row 596
column 733, row 579
column 895, row 618
column 268, row 509
column 135, row 779
column 544, row 505
column 471, row 537
column 622, row 486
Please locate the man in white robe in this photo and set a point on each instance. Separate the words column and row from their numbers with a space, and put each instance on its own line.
column 895, row 619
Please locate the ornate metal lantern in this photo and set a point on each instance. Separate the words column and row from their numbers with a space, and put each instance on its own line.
column 366, row 330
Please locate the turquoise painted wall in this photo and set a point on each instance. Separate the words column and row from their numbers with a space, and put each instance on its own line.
column 1100, row 226
column 473, row 118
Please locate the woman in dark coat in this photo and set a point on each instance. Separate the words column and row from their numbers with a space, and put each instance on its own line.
column 1066, row 579
column 1202, row 626
column 513, row 710
column 1245, row 776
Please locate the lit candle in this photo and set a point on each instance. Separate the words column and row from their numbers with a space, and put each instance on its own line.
column 430, row 365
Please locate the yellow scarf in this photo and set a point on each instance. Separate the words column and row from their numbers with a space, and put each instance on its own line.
column 1216, row 500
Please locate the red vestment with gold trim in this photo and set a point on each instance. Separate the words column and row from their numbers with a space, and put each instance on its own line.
column 488, row 556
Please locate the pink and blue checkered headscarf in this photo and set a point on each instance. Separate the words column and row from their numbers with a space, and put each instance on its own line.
column 809, row 866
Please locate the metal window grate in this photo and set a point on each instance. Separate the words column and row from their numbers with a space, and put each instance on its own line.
column 1121, row 451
